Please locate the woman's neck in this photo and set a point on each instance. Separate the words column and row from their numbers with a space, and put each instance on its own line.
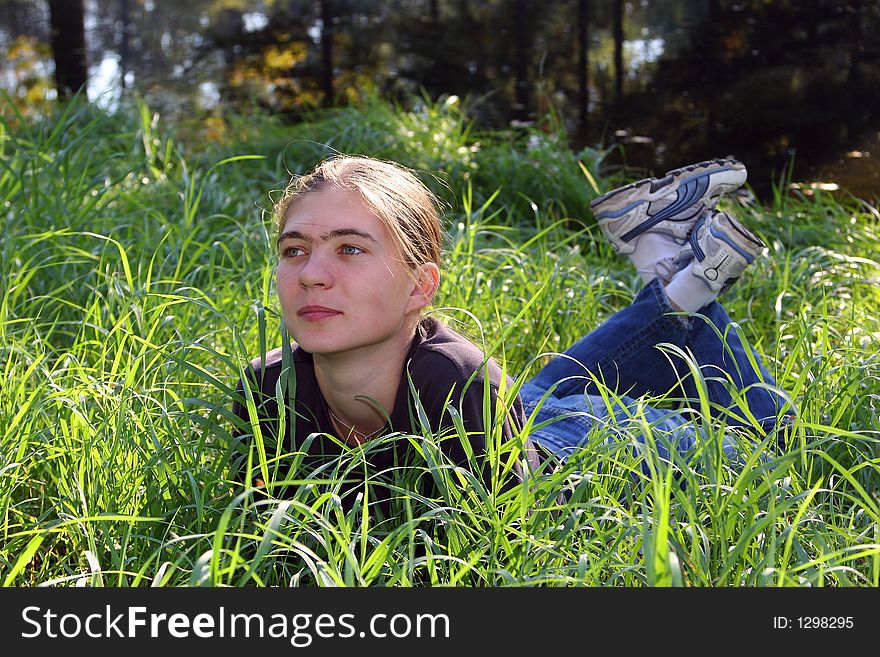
column 360, row 387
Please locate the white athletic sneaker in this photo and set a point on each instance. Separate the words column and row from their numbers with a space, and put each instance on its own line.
column 721, row 248
column 670, row 205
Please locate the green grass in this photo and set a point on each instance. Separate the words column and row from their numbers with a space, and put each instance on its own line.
column 136, row 281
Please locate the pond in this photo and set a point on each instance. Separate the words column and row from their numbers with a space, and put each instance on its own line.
column 791, row 88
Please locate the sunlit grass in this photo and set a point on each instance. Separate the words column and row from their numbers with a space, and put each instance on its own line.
column 136, row 281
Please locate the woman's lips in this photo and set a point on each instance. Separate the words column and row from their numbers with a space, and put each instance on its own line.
column 316, row 313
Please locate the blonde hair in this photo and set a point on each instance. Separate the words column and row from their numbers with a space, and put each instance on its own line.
column 406, row 207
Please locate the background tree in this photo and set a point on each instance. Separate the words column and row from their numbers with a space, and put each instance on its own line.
column 617, row 21
column 124, row 31
column 68, row 46
column 327, row 50
column 583, row 24
column 522, row 42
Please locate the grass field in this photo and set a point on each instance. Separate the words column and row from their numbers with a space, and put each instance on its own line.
column 136, row 280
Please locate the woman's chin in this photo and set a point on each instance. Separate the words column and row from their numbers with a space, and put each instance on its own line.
column 323, row 345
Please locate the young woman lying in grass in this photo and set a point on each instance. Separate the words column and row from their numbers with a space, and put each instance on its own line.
column 359, row 251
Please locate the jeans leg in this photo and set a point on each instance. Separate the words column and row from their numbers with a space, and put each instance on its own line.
column 622, row 353
column 564, row 425
column 729, row 363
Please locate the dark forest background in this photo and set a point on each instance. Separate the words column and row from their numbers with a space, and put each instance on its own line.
column 791, row 87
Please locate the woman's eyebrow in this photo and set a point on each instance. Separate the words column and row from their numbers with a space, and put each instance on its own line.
column 326, row 237
column 347, row 232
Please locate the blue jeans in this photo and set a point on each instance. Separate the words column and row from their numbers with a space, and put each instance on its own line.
column 644, row 349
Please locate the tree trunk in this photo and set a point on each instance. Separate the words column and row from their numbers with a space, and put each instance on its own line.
column 858, row 45
column 123, row 41
column 583, row 71
column 68, row 47
column 715, row 70
column 617, row 20
column 327, row 51
column 522, row 45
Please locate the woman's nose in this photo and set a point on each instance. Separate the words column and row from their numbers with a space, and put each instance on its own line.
column 316, row 272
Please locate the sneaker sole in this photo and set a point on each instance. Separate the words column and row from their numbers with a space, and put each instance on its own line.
column 659, row 187
column 692, row 182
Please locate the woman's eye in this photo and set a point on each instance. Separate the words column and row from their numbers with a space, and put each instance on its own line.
column 350, row 249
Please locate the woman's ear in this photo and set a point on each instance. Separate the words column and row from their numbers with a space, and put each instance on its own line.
column 427, row 283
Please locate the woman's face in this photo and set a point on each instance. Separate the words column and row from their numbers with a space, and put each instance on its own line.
column 340, row 282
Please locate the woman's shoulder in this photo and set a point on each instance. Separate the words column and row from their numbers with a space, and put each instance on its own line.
column 439, row 349
column 264, row 371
